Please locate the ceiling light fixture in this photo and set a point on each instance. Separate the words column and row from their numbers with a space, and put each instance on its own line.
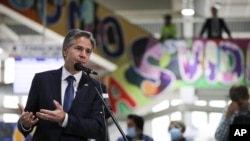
column 187, row 8
column 187, row 12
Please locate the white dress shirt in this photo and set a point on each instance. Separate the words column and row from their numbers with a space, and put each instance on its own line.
column 64, row 85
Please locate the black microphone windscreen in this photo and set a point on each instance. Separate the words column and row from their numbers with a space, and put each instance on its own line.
column 78, row 66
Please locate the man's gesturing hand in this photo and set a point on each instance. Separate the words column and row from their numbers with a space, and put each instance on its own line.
column 27, row 119
column 57, row 115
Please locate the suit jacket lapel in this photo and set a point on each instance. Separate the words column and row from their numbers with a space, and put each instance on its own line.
column 57, row 85
column 82, row 91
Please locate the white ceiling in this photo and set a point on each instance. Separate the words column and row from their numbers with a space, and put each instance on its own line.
column 130, row 10
column 149, row 9
column 136, row 10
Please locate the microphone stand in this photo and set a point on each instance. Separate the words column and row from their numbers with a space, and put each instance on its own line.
column 107, row 108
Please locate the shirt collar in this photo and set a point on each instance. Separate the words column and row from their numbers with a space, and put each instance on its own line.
column 66, row 73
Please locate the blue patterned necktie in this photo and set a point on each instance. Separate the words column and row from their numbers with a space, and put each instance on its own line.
column 69, row 94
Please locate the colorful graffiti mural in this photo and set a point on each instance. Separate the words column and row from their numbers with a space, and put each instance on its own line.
column 156, row 68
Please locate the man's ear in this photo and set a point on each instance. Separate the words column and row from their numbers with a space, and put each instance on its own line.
column 64, row 52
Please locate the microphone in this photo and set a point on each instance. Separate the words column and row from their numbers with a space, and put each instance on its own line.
column 78, row 67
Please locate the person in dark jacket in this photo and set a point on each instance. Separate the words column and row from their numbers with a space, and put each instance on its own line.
column 135, row 125
column 62, row 104
column 215, row 26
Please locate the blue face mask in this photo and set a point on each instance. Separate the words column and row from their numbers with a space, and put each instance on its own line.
column 131, row 132
column 175, row 133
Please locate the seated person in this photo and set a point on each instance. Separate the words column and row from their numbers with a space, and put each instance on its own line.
column 135, row 125
column 176, row 130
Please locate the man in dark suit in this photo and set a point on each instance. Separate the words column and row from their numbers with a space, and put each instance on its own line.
column 215, row 26
column 46, row 108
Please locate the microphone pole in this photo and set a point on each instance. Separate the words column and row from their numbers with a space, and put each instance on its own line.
column 107, row 108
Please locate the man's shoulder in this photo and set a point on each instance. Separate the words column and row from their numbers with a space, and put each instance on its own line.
column 242, row 118
column 209, row 19
column 49, row 72
column 120, row 139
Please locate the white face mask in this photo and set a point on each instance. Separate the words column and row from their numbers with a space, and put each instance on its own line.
column 131, row 132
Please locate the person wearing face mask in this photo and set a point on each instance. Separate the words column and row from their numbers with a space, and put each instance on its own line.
column 135, row 125
column 239, row 106
column 176, row 130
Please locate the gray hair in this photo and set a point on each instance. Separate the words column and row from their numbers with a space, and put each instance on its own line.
column 73, row 34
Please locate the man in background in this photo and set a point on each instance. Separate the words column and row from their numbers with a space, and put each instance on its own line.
column 169, row 30
column 135, row 125
column 215, row 26
column 239, row 96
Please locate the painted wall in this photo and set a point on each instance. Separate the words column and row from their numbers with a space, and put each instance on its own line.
column 156, row 68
